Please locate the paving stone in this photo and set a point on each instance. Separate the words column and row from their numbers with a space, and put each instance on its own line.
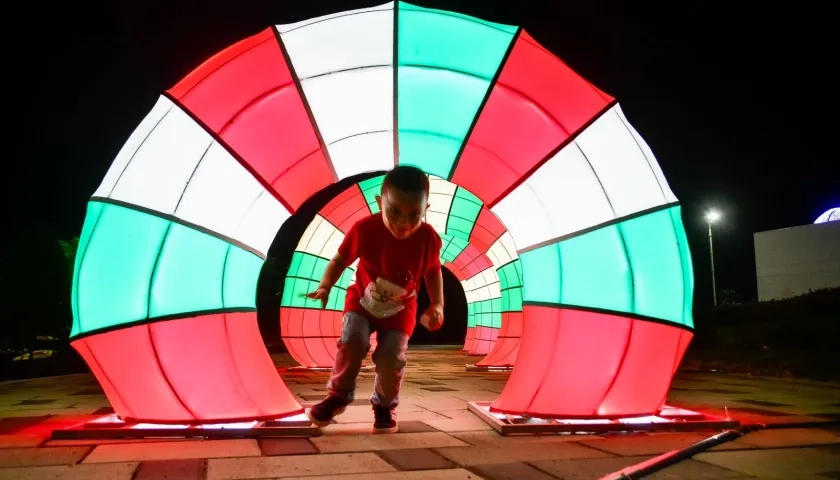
column 460, row 421
column 640, row 444
column 510, row 471
column 782, row 463
column 13, row 425
column 42, row 401
column 438, row 389
column 188, row 469
column 130, row 452
column 597, row 468
column 88, row 392
column 762, row 403
column 492, row 448
column 107, row 471
column 783, row 437
column 286, row 446
column 20, row 441
column 452, row 474
column 366, row 443
column 412, row 426
column 22, row 457
column 296, row 466
column 415, row 459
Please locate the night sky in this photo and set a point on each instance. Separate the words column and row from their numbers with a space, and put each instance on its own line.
column 737, row 105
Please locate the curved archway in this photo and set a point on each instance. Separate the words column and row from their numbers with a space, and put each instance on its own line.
column 175, row 235
column 475, row 247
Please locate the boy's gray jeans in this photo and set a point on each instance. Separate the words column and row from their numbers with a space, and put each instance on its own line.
column 389, row 358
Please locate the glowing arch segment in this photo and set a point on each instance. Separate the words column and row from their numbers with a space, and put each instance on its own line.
column 484, row 310
column 346, row 71
column 247, row 97
column 172, row 241
column 223, row 373
column 601, row 176
column 601, row 377
column 536, row 106
column 195, row 179
column 446, row 63
column 134, row 266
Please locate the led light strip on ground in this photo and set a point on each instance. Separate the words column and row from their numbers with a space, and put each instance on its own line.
column 111, row 427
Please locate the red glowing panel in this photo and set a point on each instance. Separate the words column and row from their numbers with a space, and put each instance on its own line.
column 648, row 362
column 488, row 228
column 506, row 347
column 618, row 371
column 311, row 335
column 484, row 339
column 247, row 96
column 469, row 339
column 210, row 368
column 346, row 209
column 470, row 262
column 537, row 105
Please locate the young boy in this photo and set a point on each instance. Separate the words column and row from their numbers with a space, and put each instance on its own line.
column 396, row 249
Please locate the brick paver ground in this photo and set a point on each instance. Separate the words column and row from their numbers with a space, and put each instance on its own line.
column 439, row 438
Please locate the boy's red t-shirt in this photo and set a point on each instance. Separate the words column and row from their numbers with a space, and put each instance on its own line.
column 404, row 262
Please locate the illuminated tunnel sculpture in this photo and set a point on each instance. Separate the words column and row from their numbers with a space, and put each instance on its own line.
column 469, row 232
column 175, row 236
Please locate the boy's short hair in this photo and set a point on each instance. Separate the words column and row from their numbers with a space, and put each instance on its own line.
column 407, row 179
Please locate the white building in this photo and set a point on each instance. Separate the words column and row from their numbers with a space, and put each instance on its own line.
column 793, row 261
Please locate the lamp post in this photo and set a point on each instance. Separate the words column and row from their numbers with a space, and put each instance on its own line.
column 711, row 217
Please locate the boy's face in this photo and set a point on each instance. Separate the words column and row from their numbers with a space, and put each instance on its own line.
column 402, row 212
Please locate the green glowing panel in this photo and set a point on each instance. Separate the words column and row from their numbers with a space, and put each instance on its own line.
column 305, row 273
column 452, row 247
column 134, row 266
column 115, row 271
column 370, row 189
column 640, row 266
column 488, row 313
column 94, row 210
column 688, row 268
column 510, row 282
column 446, row 63
column 463, row 214
column 242, row 271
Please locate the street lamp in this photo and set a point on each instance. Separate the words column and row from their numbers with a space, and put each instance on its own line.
column 711, row 217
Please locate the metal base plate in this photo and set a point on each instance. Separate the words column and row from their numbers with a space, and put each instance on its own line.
column 670, row 419
column 479, row 368
column 111, row 427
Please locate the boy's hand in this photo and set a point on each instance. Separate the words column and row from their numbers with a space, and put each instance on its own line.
column 322, row 294
column 435, row 317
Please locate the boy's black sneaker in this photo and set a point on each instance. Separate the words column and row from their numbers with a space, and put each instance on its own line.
column 385, row 420
column 323, row 413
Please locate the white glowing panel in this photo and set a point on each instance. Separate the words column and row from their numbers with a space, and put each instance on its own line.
column 648, row 153
column 288, row 27
column 621, row 165
column 482, row 286
column 161, row 108
column 176, row 168
column 345, row 66
column 321, row 238
column 219, row 194
column 441, row 194
column 503, row 250
column 162, row 164
column 261, row 222
column 563, row 196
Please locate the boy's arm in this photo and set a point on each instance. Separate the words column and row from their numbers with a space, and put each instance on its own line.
column 333, row 272
column 434, row 285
